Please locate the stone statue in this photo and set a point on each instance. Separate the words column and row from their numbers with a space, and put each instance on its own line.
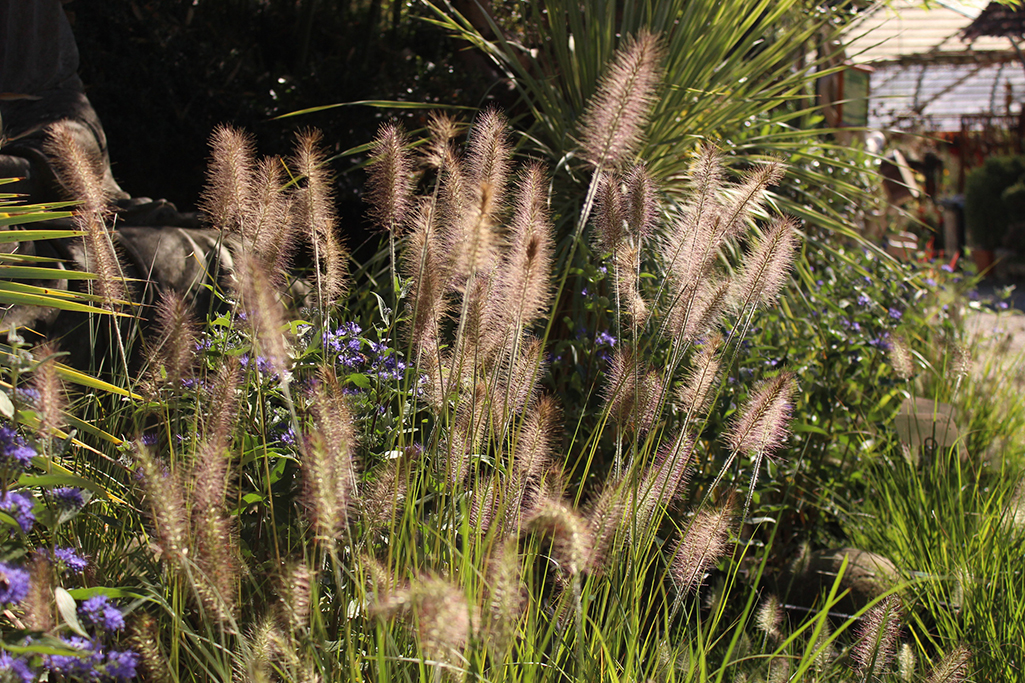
column 40, row 86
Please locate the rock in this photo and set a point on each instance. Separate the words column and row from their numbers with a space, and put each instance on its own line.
column 867, row 576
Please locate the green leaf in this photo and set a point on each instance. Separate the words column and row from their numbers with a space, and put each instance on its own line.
column 57, row 480
column 380, row 104
column 41, row 645
column 30, row 273
column 20, row 298
column 360, row 380
column 24, row 218
column 8, row 236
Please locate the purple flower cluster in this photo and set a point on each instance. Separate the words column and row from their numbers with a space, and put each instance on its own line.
column 74, row 563
column 14, row 584
column 27, row 395
column 97, row 611
column 93, row 663
column 604, row 339
column 385, row 364
column 345, row 343
column 13, row 449
column 16, row 666
column 382, row 361
column 67, row 498
column 19, row 506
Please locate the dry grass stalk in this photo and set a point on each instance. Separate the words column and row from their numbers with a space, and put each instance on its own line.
column 612, row 126
column 632, row 393
column 222, row 401
column 328, row 469
column 273, row 239
column 610, row 212
column 314, row 207
column 696, row 392
column 264, row 310
column 507, row 598
column 525, row 278
column 436, row 611
column 145, row 640
column 900, row 357
column 213, row 536
column 81, row 175
column 424, row 264
column 705, row 543
column 487, row 162
column 165, row 497
column 572, row 539
column 627, row 264
column 228, row 200
column 954, row 668
column 767, row 266
column 642, row 204
column 534, row 443
column 38, row 607
column 877, row 637
column 391, row 182
column 294, row 596
column 381, row 498
column 172, row 351
column 747, row 199
column 762, row 425
column 51, row 400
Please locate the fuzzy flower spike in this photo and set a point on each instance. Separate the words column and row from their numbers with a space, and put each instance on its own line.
column 761, row 428
column 612, row 126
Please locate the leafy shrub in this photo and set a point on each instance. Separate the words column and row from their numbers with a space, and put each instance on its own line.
column 986, row 214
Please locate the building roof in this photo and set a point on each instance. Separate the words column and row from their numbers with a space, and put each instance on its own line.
column 908, row 30
column 998, row 20
column 939, row 94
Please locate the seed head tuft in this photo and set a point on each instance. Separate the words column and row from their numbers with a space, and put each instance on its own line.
column 612, row 126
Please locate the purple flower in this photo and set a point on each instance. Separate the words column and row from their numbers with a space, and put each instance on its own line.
column 895, row 314
column 27, row 395
column 946, row 268
column 20, row 507
column 287, row 437
column 97, row 611
column 121, row 665
column 149, row 439
column 82, row 666
column 13, row 449
column 265, row 366
column 1002, row 305
column 18, row 667
column 68, row 498
column 74, row 563
column 863, row 300
column 930, row 282
column 14, row 584
column 605, row 339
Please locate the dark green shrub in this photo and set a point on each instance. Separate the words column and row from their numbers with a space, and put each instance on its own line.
column 987, row 215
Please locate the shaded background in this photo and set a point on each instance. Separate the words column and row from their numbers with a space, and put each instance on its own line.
column 162, row 73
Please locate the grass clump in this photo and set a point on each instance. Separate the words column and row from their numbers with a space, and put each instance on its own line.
column 398, row 492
